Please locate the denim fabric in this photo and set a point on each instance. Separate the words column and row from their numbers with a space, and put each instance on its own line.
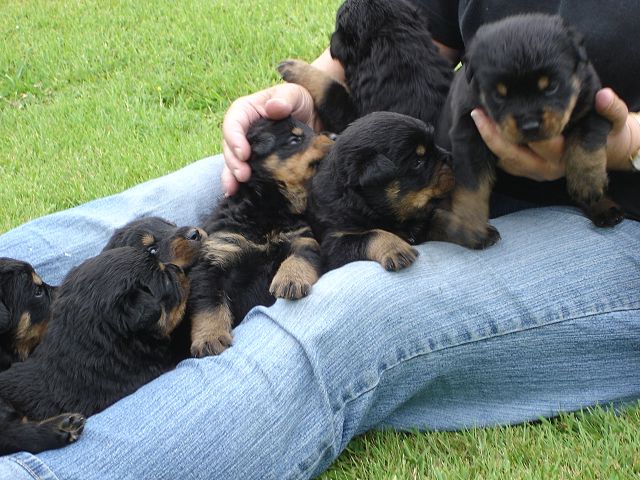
column 547, row 320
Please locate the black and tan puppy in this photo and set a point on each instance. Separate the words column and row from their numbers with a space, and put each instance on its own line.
column 531, row 74
column 110, row 333
column 170, row 243
column 260, row 246
column 25, row 302
column 376, row 191
column 390, row 64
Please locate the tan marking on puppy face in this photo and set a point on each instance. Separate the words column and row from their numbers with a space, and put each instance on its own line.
column 168, row 322
column 297, row 131
column 421, row 150
column 543, row 83
column 211, row 331
column 553, row 121
column 185, row 252
column 389, row 250
column 294, row 278
column 36, row 279
column 501, row 88
column 28, row 336
column 508, row 128
column 147, row 240
column 294, row 173
column 406, row 206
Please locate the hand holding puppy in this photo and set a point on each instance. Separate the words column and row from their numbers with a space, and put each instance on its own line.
column 541, row 161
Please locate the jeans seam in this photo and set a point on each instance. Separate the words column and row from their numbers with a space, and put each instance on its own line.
column 30, row 470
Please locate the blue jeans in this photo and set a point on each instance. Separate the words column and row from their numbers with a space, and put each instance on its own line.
column 545, row 321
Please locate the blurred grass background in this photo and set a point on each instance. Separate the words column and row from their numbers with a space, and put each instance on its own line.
column 99, row 95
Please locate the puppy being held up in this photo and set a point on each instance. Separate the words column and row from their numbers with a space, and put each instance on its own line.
column 375, row 193
column 390, row 64
column 170, row 243
column 531, row 75
column 110, row 328
column 260, row 246
column 25, row 302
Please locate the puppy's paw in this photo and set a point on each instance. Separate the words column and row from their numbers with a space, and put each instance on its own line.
column 67, row 427
column 212, row 344
column 293, row 279
column 292, row 70
column 399, row 258
column 605, row 213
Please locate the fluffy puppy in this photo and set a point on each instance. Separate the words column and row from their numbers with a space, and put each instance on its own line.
column 172, row 244
column 24, row 310
column 110, row 333
column 260, row 246
column 531, row 74
column 376, row 191
column 390, row 64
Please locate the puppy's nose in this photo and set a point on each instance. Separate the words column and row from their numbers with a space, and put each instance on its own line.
column 530, row 126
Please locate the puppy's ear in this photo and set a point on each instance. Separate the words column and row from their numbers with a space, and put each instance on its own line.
column 5, row 318
column 577, row 42
column 142, row 310
column 262, row 143
column 375, row 170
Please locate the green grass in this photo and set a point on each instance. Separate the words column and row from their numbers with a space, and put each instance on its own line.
column 96, row 96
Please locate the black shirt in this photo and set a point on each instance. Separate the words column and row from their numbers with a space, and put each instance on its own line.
column 612, row 38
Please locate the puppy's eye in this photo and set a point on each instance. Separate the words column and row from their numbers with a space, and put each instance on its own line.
column 419, row 163
column 552, row 88
column 193, row 234
column 153, row 250
column 294, row 140
column 38, row 292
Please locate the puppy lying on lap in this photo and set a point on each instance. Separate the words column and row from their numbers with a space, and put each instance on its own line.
column 376, row 192
column 110, row 334
column 260, row 246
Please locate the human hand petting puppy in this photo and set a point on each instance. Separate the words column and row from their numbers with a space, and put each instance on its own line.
column 542, row 160
column 275, row 103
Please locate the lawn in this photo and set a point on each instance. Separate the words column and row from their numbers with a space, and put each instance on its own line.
column 99, row 95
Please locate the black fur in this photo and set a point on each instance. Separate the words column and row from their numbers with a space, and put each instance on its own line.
column 23, row 297
column 110, row 333
column 390, row 64
column 384, row 173
column 260, row 246
column 171, row 244
column 531, row 74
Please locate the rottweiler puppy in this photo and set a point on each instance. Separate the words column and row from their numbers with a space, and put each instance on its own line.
column 170, row 243
column 260, row 246
column 25, row 302
column 375, row 193
column 532, row 76
column 110, row 333
column 390, row 64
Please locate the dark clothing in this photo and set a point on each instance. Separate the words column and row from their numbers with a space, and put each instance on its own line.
column 611, row 38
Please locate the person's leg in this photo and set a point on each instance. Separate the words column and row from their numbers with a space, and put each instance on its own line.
column 55, row 243
column 545, row 321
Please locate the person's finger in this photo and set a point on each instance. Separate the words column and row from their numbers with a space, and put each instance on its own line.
column 229, row 182
column 239, row 168
column 278, row 108
column 241, row 114
column 611, row 107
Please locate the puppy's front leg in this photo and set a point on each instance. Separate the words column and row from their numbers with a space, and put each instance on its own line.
column 585, row 157
column 211, row 330
column 466, row 220
column 300, row 270
column 386, row 248
column 332, row 100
